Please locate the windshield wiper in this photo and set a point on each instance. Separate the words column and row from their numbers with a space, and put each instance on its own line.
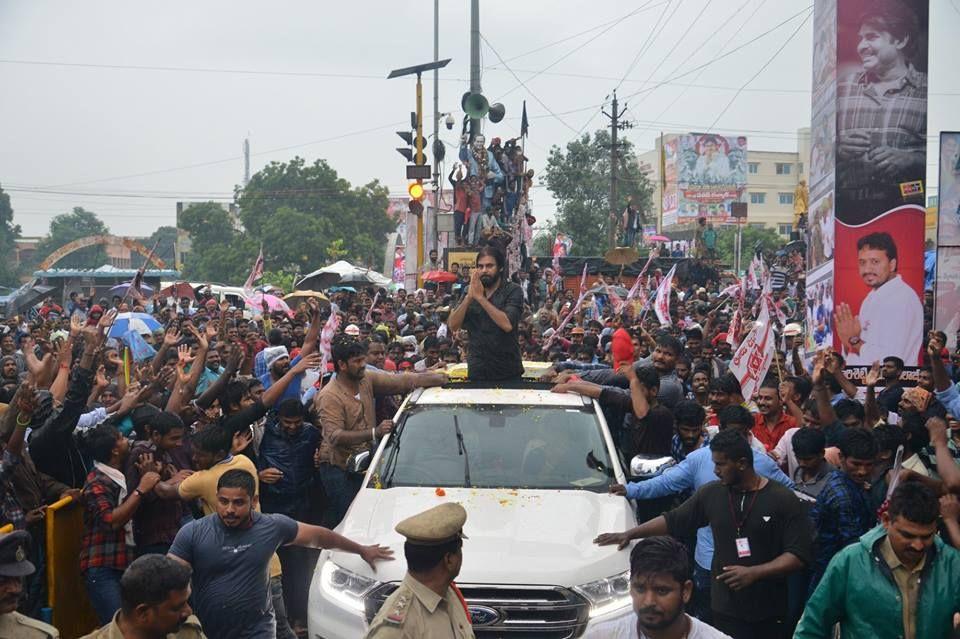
column 463, row 451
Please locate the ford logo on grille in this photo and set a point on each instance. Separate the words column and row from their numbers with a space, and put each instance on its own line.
column 483, row 615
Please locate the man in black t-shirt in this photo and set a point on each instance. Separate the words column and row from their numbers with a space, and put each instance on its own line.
column 490, row 312
column 761, row 534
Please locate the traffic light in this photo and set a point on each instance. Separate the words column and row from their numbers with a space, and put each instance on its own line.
column 415, row 189
column 415, row 151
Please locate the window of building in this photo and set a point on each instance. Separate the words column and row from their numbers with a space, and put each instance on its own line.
column 783, row 168
column 758, row 198
column 785, row 229
column 786, row 198
column 800, row 168
column 756, row 225
column 753, row 167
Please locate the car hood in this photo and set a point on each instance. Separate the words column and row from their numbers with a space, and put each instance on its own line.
column 542, row 537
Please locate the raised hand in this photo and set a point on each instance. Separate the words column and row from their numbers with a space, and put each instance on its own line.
column 76, row 326
column 306, row 363
column 873, row 376
column 171, row 337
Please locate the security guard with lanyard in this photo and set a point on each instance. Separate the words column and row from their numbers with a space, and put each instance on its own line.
column 428, row 603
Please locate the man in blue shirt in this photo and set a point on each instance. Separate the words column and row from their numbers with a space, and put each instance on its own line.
column 689, row 475
column 278, row 359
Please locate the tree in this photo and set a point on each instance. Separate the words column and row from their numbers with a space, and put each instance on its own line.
column 165, row 239
column 298, row 209
column 219, row 253
column 68, row 227
column 579, row 179
column 9, row 232
column 765, row 238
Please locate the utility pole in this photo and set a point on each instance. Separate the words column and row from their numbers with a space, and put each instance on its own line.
column 615, row 126
column 436, row 122
column 246, row 161
column 475, row 61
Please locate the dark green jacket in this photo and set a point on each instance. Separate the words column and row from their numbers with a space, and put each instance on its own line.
column 858, row 592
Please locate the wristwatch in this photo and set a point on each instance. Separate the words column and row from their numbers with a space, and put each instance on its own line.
column 855, row 341
column 138, row 491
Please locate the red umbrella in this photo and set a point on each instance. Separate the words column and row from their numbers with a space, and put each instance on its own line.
column 656, row 238
column 439, row 276
column 179, row 290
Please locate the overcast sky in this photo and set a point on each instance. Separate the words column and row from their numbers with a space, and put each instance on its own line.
column 308, row 78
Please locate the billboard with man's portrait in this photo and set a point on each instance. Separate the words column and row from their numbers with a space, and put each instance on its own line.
column 711, row 175
column 879, row 159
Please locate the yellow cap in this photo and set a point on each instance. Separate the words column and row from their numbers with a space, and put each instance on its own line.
column 436, row 526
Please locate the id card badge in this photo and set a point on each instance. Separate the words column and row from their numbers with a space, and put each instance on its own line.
column 743, row 547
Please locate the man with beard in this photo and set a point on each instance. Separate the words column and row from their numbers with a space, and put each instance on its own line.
column 348, row 417
column 490, row 312
column 660, row 589
column 761, row 532
column 230, row 550
column 278, row 361
column 14, row 549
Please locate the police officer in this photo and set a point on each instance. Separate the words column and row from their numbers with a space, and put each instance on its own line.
column 14, row 550
column 427, row 603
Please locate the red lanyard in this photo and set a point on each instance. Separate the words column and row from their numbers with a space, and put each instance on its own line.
column 739, row 522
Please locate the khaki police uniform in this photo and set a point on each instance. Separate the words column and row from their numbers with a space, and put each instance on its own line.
column 14, row 550
column 414, row 611
column 189, row 630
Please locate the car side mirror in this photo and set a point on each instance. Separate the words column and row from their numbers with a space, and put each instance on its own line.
column 644, row 467
column 358, row 463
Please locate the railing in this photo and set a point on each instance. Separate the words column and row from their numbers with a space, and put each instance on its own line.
column 73, row 615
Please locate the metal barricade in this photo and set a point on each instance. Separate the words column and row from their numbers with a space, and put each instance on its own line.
column 73, row 615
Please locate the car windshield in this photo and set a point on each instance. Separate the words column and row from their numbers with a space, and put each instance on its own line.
column 489, row 446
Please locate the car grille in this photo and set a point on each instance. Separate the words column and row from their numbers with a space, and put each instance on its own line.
column 544, row 612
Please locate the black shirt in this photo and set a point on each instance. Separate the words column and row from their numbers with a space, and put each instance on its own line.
column 775, row 523
column 494, row 355
column 651, row 435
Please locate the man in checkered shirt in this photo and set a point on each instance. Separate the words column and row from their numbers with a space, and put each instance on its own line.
column 882, row 114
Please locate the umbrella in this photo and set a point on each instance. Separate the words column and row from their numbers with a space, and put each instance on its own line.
column 622, row 255
column 656, row 238
column 302, row 296
column 274, row 304
column 341, row 272
column 342, row 289
column 179, row 290
column 439, row 276
column 122, row 290
column 143, row 323
column 796, row 245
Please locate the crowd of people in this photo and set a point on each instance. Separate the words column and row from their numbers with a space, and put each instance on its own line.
column 231, row 436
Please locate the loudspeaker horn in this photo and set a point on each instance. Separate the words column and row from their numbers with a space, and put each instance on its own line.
column 475, row 105
column 496, row 113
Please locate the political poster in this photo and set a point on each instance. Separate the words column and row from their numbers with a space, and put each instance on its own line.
column 711, row 176
column 947, row 283
column 879, row 176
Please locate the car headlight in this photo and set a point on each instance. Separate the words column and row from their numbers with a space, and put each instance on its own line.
column 607, row 595
column 345, row 587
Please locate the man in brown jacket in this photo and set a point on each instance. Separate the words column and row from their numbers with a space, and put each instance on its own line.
column 348, row 418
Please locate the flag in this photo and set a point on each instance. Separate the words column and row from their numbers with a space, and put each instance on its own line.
column 255, row 274
column 583, row 280
column 524, row 124
column 752, row 360
column 133, row 291
column 615, row 301
column 326, row 337
column 369, row 317
column 662, row 305
column 733, row 331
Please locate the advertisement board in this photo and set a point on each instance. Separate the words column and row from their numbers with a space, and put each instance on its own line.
column 946, row 286
column 880, row 170
column 711, row 173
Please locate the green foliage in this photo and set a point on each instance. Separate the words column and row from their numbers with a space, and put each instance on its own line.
column 68, row 227
column 768, row 240
column 281, row 279
column 299, row 209
column 579, row 179
column 219, row 253
column 9, row 232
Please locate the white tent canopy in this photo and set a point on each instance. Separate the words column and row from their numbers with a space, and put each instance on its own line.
column 342, row 272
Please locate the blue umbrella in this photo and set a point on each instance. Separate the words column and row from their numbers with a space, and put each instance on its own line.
column 142, row 323
column 122, row 289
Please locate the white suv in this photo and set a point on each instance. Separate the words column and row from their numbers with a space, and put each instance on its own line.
column 532, row 469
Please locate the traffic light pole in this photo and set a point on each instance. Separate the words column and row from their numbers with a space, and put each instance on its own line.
column 419, row 160
column 474, row 61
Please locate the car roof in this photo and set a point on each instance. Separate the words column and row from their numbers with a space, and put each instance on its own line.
column 498, row 396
